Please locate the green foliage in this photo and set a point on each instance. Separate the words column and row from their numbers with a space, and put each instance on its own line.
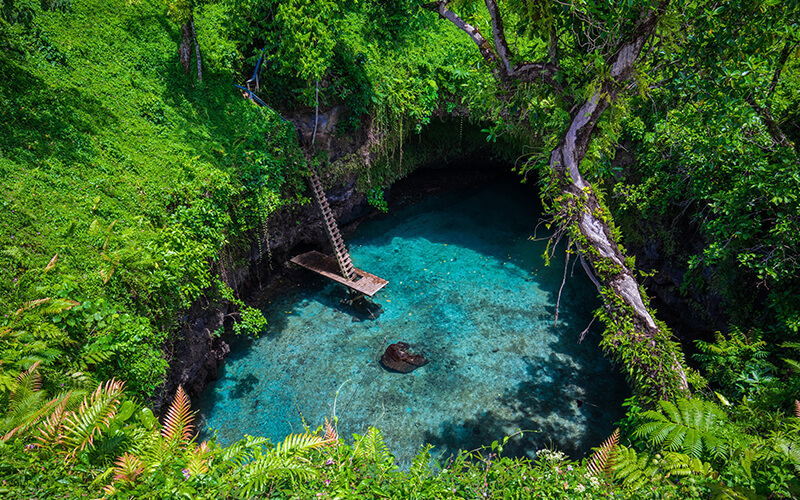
column 132, row 181
column 738, row 363
column 746, row 453
column 690, row 426
column 636, row 471
column 376, row 199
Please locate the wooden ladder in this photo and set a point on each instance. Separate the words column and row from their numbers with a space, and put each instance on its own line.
column 334, row 236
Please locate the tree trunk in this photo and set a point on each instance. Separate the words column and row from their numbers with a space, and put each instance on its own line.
column 196, row 51
column 183, row 50
column 634, row 337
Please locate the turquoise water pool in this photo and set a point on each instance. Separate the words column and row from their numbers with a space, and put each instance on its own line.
column 468, row 289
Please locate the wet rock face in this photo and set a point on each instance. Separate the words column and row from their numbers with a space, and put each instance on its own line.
column 398, row 358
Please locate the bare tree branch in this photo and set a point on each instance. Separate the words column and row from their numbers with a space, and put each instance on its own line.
column 484, row 46
column 500, row 54
column 498, row 32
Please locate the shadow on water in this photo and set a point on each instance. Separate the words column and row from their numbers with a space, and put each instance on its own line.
column 244, row 385
column 550, row 409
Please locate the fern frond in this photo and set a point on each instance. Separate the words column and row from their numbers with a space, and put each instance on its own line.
column 178, row 422
column 331, row 436
column 109, row 445
column 791, row 345
column 57, row 306
column 127, row 468
column 50, row 265
column 30, row 380
column 150, row 446
column 97, row 357
column 198, row 461
column 92, row 418
column 257, row 476
column 244, row 450
column 24, row 392
column 295, row 444
column 371, row 447
column 31, row 411
column 690, row 426
column 633, row 470
column 421, row 463
column 603, row 457
column 50, row 432
column 30, row 305
column 790, row 449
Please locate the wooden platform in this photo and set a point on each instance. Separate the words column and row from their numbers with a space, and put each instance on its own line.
column 367, row 283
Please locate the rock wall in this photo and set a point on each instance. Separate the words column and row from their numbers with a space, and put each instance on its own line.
column 196, row 353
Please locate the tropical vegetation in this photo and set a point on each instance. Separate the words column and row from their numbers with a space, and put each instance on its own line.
column 137, row 178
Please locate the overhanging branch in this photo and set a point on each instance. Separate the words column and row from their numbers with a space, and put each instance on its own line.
column 484, row 46
column 500, row 55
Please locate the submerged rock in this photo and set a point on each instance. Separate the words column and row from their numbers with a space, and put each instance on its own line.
column 398, row 358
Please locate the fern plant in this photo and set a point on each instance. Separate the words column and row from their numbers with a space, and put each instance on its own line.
column 638, row 470
column 127, row 468
column 602, row 459
column 737, row 362
column 255, row 470
column 27, row 404
column 178, row 429
column 690, row 426
column 74, row 431
column 372, row 449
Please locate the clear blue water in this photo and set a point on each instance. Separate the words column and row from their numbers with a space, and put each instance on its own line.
column 469, row 290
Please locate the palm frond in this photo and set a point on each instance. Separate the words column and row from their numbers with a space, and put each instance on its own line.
column 602, row 459
column 178, row 422
column 92, row 418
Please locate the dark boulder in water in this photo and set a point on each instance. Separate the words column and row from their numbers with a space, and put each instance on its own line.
column 397, row 358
